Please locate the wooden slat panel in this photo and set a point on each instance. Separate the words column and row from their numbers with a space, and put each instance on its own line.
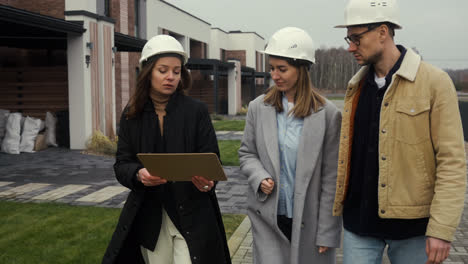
column 36, row 99
column 108, row 94
column 46, row 107
column 59, row 90
column 94, row 68
column 33, row 84
column 34, row 90
column 35, row 69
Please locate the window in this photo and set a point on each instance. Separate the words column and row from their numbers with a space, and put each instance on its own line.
column 107, row 8
column 259, row 61
column 222, row 56
column 137, row 18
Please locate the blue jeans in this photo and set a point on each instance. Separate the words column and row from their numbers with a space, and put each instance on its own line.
column 369, row 250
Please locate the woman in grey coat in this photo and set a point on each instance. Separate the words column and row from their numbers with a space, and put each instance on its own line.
column 289, row 153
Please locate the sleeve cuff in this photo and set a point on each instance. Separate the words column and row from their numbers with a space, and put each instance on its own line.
column 440, row 231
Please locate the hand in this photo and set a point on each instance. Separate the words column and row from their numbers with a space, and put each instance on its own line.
column 149, row 180
column 322, row 249
column 437, row 250
column 267, row 186
column 202, row 184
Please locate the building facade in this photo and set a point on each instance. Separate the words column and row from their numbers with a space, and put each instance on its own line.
column 81, row 58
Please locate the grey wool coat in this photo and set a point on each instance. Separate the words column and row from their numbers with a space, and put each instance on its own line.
column 314, row 191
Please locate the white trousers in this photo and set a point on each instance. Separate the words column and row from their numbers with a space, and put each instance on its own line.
column 171, row 247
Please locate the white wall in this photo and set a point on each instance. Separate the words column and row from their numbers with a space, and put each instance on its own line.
column 250, row 42
column 219, row 40
column 87, row 5
column 80, row 98
column 164, row 16
column 234, row 88
column 79, row 87
column 161, row 15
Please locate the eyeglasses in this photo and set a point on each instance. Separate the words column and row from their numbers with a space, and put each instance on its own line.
column 356, row 38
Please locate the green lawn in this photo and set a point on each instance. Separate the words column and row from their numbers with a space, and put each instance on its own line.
column 229, row 125
column 52, row 233
column 228, row 149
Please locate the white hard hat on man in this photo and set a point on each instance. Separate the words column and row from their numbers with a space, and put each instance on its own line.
column 362, row 12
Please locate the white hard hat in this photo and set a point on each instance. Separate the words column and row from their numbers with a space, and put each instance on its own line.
column 161, row 44
column 291, row 42
column 361, row 12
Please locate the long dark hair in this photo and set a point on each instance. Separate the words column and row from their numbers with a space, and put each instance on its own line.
column 307, row 97
column 143, row 86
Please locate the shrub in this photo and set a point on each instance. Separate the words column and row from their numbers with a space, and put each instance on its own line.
column 100, row 144
column 217, row 117
column 243, row 110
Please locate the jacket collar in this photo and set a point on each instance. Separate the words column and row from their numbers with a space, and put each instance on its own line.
column 410, row 65
column 408, row 70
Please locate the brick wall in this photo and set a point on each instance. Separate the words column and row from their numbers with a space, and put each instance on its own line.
column 123, row 17
column 259, row 61
column 238, row 55
column 131, row 17
column 196, row 49
column 123, row 11
column 54, row 8
column 203, row 90
column 133, row 65
column 125, row 79
column 115, row 13
column 118, row 86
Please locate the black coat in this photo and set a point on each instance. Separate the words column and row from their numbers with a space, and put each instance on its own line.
column 187, row 129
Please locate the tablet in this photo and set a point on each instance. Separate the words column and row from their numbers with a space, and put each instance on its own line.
column 182, row 166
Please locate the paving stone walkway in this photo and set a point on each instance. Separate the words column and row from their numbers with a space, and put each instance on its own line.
column 229, row 135
column 68, row 176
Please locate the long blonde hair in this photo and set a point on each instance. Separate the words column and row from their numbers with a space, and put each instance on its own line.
column 307, row 97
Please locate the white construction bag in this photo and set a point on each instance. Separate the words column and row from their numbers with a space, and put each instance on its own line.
column 50, row 124
column 11, row 141
column 3, row 118
column 31, row 128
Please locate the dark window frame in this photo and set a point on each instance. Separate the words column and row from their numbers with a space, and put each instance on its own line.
column 137, row 18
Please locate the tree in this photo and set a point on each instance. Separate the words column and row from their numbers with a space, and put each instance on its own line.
column 333, row 68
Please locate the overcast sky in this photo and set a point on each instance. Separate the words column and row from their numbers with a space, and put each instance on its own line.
column 437, row 28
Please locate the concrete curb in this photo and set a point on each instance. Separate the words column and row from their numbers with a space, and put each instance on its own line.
column 238, row 236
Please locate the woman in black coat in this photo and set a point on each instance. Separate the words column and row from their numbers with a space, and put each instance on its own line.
column 165, row 222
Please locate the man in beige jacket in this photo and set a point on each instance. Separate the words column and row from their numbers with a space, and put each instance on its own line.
column 401, row 174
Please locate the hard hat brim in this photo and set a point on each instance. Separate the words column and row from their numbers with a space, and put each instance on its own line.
column 362, row 24
column 283, row 56
column 182, row 54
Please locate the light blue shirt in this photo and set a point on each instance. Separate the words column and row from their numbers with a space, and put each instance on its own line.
column 289, row 133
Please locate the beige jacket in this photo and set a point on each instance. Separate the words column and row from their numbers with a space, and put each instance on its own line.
column 422, row 164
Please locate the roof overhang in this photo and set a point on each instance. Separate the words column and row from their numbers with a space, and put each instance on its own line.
column 23, row 29
column 128, row 43
column 210, row 66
